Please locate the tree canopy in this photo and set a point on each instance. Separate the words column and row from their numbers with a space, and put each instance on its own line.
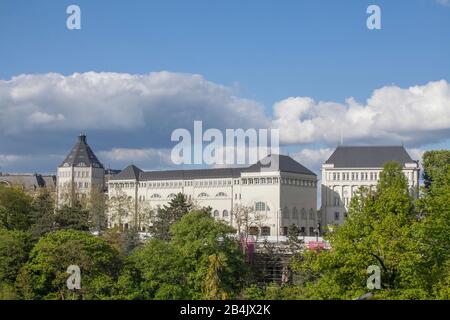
column 200, row 261
column 45, row 274
column 168, row 215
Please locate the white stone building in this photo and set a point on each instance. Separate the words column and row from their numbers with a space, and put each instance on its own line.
column 79, row 174
column 351, row 167
column 282, row 194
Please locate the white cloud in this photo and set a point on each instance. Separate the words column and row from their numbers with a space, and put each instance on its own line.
column 393, row 114
column 132, row 116
column 119, row 101
column 444, row 2
column 44, row 118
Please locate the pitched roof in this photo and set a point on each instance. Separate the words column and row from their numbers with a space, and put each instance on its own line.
column 368, row 156
column 81, row 155
column 28, row 181
column 282, row 163
column 129, row 173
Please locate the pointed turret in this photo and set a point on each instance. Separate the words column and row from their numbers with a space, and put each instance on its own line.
column 80, row 174
column 81, row 155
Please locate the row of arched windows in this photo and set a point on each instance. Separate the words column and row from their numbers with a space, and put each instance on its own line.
column 295, row 214
column 216, row 214
column 201, row 195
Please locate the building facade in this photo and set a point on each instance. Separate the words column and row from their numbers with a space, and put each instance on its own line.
column 281, row 194
column 351, row 167
column 79, row 175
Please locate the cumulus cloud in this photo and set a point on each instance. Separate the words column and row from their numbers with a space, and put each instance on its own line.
column 44, row 118
column 131, row 117
column 120, row 101
column 414, row 115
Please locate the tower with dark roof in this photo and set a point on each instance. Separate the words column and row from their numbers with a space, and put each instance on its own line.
column 80, row 174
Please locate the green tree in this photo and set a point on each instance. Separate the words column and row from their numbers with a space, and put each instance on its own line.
column 14, row 249
column 293, row 233
column 97, row 207
column 435, row 167
column 211, row 286
column 15, row 209
column 154, row 271
column 199, row 236
column 43, row 208
column 130, row 240
column 201, row 261
column 380, row 230
column 72, row 217
column 168, row 215
column 44, row 276
column 434, row 233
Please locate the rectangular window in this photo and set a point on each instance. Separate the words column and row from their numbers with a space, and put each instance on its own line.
column 336, row 201
column 265, row 231
column 336, row 216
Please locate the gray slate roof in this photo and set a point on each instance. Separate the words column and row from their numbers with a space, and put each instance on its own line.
column 129, row 173
column 286, row 164
column 82, row 154
column 368, row 156
column 281, row 163
column 28, row 181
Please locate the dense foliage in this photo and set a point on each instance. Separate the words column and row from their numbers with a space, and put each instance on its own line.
column 193, row 256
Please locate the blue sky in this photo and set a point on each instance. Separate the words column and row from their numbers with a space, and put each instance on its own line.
column 263, row 52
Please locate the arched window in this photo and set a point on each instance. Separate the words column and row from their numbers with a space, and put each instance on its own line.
column 203, row 194
column 295, row 213
column 225, row 213
column 260, row 206
column 311, row 214
column 303, row 214
column 155, row 195
column 221, row 194
column 285, row 213
column 216, row 213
